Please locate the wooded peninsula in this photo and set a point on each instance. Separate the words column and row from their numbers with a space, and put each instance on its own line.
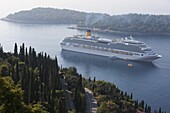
column 125, row 23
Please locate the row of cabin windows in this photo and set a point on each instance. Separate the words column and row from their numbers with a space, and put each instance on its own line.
column 116, row 46
column 104, row 49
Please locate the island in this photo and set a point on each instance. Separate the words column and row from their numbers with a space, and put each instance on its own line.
column 125, row 23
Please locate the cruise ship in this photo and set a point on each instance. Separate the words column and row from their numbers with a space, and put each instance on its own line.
column 124, row 48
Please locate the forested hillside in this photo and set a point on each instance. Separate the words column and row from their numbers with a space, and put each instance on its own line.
column 130, row 23
column 47, row 15
column 32, row 82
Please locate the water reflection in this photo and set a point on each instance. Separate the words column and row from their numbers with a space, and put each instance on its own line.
column 104, row 63
column 137, row 79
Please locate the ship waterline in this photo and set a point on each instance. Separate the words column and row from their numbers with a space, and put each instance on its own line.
column 111, row 55
column 125, row 48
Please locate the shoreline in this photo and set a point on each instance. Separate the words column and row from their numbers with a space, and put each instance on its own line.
column 82, row 28
column 117, row 32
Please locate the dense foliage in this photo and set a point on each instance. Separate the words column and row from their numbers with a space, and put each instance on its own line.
column 112, row 100
column 75, row 85
column 30, row 83
column 130, row 23
column 33, row 83
column 11, row 99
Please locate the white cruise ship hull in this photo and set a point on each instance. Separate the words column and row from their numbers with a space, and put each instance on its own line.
column 111, row 55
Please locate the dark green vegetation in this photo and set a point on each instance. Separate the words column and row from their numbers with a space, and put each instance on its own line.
column 111, row 100
column 75, row 85
column 34, row 83
column 30, row 83
column 128, row 23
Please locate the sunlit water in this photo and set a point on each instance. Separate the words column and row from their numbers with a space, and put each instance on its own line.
column 147, row 81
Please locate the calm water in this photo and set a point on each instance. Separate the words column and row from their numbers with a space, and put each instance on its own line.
column 148, row 81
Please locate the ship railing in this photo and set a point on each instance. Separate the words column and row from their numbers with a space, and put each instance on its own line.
column 104, row 49
column 121, row 52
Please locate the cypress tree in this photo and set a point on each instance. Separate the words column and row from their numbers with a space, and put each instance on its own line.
column 23, row 53
column 17, row 74
column 23, row 78
column 30, row 56
column 36, row 85
column 45, row 60
column 56, row 62
column 26, row 57
column 131, row 96
column 94, row 80
column 16, row 50
column 121, row 93
column 32, row 87
column 78, row 103
column 142, row 104
column 146, row 108
column 20, row 52
column 136, row 104
column 1, row 51
column 89, row 79
column 13, row 73
column 160, row 111
column 149, row 109
column 34, row 59
column 80, row 83
column 126, row 94
column 26, row 86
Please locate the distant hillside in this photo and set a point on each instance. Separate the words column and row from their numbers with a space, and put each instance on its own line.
column 135, row 23
column 46, row 15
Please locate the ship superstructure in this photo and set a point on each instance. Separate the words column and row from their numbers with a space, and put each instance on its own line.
column 124, row 48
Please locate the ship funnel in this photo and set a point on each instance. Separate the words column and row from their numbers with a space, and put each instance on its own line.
column 88, row 33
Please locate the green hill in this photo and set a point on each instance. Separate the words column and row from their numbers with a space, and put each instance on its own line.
column 129, row 23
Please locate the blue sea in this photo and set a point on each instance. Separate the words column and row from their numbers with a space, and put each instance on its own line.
column 147, row 81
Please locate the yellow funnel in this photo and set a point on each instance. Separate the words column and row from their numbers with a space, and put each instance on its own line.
column 88, row 33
